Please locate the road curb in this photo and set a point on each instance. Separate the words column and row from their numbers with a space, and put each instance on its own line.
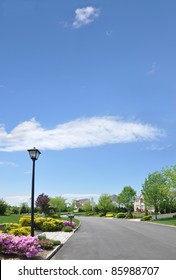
column 56, row 249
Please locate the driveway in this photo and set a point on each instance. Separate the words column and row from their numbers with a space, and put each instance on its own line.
column 115, row 239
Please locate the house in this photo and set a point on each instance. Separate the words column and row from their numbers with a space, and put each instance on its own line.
column 139, row 205
column 79, row 203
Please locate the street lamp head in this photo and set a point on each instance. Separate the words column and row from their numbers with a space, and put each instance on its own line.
column 34, row 153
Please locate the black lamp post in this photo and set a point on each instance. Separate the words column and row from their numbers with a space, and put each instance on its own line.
column 34, row 155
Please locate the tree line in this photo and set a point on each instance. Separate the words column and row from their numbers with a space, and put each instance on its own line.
column 158, row 190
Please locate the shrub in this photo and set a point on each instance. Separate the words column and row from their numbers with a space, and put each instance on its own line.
column 109, row 215
column 68, row 223
column 101, row 214
column 25, row 221
column 42, row 236
column 49, row 226
column 22, row 245
column 39, row 222
column 20, row 231
column 121, row 215
column 46, row 244
column 90, row 213
column 9, row 226
column 55, row 242
column 129, row 215
column 67, row 229
column 146, row 218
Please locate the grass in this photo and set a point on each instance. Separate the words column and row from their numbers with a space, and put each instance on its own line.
column 165, row 221
column 10, row 219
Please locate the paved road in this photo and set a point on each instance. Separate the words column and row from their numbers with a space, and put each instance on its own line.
column 115, row 239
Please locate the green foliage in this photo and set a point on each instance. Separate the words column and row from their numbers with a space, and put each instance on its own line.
column 46, row 244
column 129, row 215
column 3, row 207
column 24, row 208
column 87, row 206
column 121, row 215
column 101, row 214
column 146, row 218
column 59, row 203
column 127, row 197
column 105, row 204
column 67, row 229
column 155, row 190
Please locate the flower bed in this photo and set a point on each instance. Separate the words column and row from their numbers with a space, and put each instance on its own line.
column 26, row 246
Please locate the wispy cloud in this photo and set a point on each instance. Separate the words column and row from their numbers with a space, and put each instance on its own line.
column 152, row 69
column 154, row 147
column 85, row 16
column 79, row 133
column 8, row 163
column 17, row 200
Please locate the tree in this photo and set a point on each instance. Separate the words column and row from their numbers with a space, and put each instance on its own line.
column 59, row 203
column 71, row 206
column 127, row 197
column 3, row 206
column 170, row 176
column 105, row 203
column 42, row 202
column 155, row 191
column 87, row 206
column 24, row 208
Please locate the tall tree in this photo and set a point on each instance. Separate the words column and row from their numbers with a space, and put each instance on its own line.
column 87, row 206
column 3, row 206
column 127, row 197
column 42, row 202
column 105, row 203
column 59, row 203
column 155, row 191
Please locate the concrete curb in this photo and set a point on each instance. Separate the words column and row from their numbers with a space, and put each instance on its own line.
column 57, row 248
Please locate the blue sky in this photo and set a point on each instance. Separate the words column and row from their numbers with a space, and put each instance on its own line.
column 92, row 85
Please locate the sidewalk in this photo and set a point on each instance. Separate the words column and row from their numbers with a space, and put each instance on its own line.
column 56, row 235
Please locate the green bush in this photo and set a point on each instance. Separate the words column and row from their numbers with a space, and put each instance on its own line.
column 55, row 242
column 90, row 213
column 129, row 215
column 101, row 214
column 67, row 229
column 121, row 215
column 146, row 218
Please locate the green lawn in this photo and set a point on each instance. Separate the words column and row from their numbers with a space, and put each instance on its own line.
column 10, row 219
column 165, row 221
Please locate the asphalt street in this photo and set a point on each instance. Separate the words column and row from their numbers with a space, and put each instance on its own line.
column 115, row 239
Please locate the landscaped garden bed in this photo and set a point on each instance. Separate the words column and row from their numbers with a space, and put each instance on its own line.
column 16, row 242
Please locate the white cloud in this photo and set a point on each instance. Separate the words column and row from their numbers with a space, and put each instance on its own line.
column 85, row 16
column 79, row 133
column 17, row 200
column 8, row 163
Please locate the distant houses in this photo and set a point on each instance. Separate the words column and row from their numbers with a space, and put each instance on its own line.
column 139, row 205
